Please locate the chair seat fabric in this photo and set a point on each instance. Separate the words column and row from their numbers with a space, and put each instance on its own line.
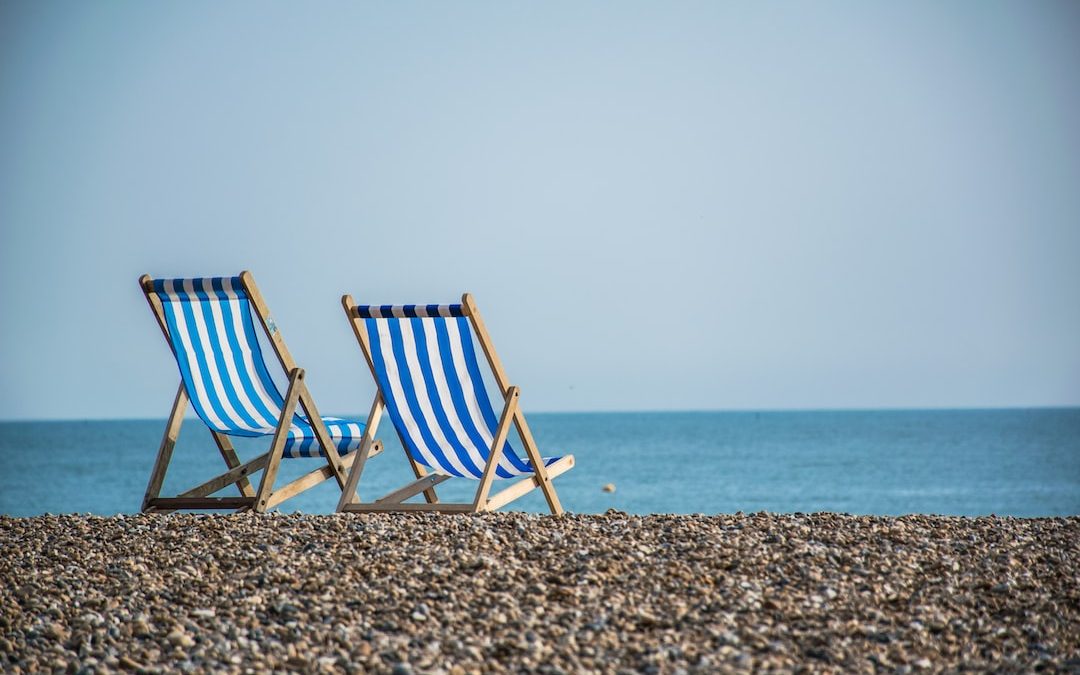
column 346, row 435
column 513, row 469
column 302, row 442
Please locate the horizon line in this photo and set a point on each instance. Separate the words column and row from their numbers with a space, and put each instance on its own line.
column 642, row 411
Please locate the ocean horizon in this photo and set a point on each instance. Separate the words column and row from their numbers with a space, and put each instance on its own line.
column 962, row 462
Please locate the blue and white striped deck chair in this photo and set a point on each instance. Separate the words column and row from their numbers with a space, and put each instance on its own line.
column 210, row 328
column 429, row 382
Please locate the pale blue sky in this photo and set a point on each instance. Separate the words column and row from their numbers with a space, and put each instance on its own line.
column 657, row 205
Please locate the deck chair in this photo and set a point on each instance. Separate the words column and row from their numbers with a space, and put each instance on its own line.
column 209, row 326
column 430, row 383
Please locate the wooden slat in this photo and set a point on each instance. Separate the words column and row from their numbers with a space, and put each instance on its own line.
column 379, row 507
column 420, row 472
column 412, row 489
column 147, row 285
column 485, row 343
column 281, row 434
column 322, row 434
column 168, row 442
column 201, row 502
column 311, row 479
column 228, row 478
column 349, row 490
column 267, row 321
column 527, row 485
column 519, row 417
column 497, row 445
column 543, row 477
column 228, row 453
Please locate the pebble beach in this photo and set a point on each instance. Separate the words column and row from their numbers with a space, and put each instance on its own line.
column 511, row 592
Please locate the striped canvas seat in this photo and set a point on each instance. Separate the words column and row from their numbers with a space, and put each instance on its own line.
column 426, row 367
column 213, row 335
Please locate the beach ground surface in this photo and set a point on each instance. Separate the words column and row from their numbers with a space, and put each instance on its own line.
column 518, row 592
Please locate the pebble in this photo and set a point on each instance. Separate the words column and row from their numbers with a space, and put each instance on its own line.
column 518, row 592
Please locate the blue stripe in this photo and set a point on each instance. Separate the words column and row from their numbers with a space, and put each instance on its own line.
column 433, row 395
column 481, row 392
column 159, row 287
column 307, row 444
column 409, row 311
column 460, row 401
column 185, row 368
column 457, row 394
column 238, row 360
column 183, row 361
column 216, row 340
column 398, row 348
column 257, row 356
column 383, row 378
column 200, row 358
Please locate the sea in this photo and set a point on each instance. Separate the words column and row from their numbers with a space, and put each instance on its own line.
column 1012, row 462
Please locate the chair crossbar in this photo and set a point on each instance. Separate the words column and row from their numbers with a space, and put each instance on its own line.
column 408, row 311
column 527, row 485
column 201, row 502
column 228, row 478
column 414, row 488
column 385, row 507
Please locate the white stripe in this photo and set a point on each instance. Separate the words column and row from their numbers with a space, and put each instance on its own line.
column 193, row 365
column 398, row 394
column 172, row 294
column 203, row 333
column 247, row 354
column 412, row 362
column 466, row 383
column 230, row 361
column 446, row 399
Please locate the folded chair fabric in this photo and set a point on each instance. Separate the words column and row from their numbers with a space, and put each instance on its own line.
column 431, row 385
column 210, row 326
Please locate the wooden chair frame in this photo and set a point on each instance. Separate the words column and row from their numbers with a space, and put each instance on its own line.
column 265, row 497
column 425, row 483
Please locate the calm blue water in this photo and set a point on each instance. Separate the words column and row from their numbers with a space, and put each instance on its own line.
column 968, row 462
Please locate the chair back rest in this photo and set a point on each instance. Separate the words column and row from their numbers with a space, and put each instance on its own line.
column 425, row 363
column 210, row 328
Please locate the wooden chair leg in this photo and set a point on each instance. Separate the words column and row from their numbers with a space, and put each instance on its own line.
column 420, row 472
column 322, row 434
column 497, row 445
column 349, row 493
column 281, row 434
column 168, row 442
column 228, row 453
column 539, row 470
column 526, row 485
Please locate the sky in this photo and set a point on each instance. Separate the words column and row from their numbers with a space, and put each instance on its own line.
column 657, row 205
